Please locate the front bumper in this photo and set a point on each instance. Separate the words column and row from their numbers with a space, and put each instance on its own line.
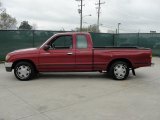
column 8, row 66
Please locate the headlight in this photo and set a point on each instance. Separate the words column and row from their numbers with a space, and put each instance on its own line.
column 7, row 57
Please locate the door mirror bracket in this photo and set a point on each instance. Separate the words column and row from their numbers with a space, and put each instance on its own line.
column 46, row 47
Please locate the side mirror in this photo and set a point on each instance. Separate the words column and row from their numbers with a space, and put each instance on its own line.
column 46, row 47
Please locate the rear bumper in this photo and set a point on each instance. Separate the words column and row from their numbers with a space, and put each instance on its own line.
column 8, row 66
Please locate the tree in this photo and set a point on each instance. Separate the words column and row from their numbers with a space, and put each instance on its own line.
column 1, row 8
column 25, row 26
column 91, row 28
column 0, row 5
column 7, row 21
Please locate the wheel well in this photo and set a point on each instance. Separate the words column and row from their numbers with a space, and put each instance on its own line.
column 23, row 60
column 120, row 59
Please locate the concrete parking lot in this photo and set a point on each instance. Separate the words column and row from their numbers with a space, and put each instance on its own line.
column 81, row 96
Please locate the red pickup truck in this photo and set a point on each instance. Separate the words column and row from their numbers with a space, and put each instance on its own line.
column 74, row 52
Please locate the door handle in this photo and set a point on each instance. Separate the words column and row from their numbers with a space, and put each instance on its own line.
column 70, row 53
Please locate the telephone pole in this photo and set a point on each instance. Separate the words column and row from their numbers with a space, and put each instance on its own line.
column 99, row 11
column 81, row 15
column 80, row 11
column 118, row 27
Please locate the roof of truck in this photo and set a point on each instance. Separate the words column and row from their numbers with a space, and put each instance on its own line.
column 73, row 33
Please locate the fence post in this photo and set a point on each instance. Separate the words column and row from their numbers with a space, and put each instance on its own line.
column 33, row 38
column 113, row 39
column 138, row 40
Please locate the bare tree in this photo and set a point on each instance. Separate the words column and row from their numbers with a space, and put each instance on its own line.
column 1, row 8
column 7, row 21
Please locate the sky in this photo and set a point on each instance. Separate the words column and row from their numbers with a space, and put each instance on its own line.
column 134, row 15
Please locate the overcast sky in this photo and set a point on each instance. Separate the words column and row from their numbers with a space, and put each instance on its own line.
column 134, row 15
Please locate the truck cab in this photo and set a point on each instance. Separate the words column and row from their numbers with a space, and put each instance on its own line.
column 66, row 52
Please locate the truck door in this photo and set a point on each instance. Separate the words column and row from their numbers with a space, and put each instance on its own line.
column 83, row 53
column 61, row 55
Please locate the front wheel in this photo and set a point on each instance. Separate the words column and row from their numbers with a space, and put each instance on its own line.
column 24, row 71
column 119, row 70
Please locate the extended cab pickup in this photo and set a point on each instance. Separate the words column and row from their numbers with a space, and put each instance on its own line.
column 74, row 52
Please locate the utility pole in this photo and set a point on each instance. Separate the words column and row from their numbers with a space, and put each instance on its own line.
column 80, row 11
column 81, row 15
column 99, row 11
column 118, row 27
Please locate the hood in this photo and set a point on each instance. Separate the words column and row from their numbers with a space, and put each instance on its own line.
column 24, row 51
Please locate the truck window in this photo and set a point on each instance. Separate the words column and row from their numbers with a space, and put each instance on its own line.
column 81, row 41
column 62, row 42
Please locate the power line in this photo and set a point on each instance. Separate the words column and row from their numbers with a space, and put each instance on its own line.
column 99, row 11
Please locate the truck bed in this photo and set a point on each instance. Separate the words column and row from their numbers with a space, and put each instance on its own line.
column 138, row 56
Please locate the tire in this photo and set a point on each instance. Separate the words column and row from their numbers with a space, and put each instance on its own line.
column 119, row 70
column 24, row 71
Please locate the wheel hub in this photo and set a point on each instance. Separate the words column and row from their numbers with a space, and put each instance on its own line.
column 23, row 71
column 120, row 71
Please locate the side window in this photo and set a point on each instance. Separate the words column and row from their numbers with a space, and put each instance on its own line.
column 81, row 41
column 63, row 42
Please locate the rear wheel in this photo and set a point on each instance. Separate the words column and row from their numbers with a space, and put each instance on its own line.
column 24, row 71
column 119, row 70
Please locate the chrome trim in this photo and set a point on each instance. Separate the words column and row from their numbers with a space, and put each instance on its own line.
column 23, row 71
column 120, row 71
column 8, row 64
